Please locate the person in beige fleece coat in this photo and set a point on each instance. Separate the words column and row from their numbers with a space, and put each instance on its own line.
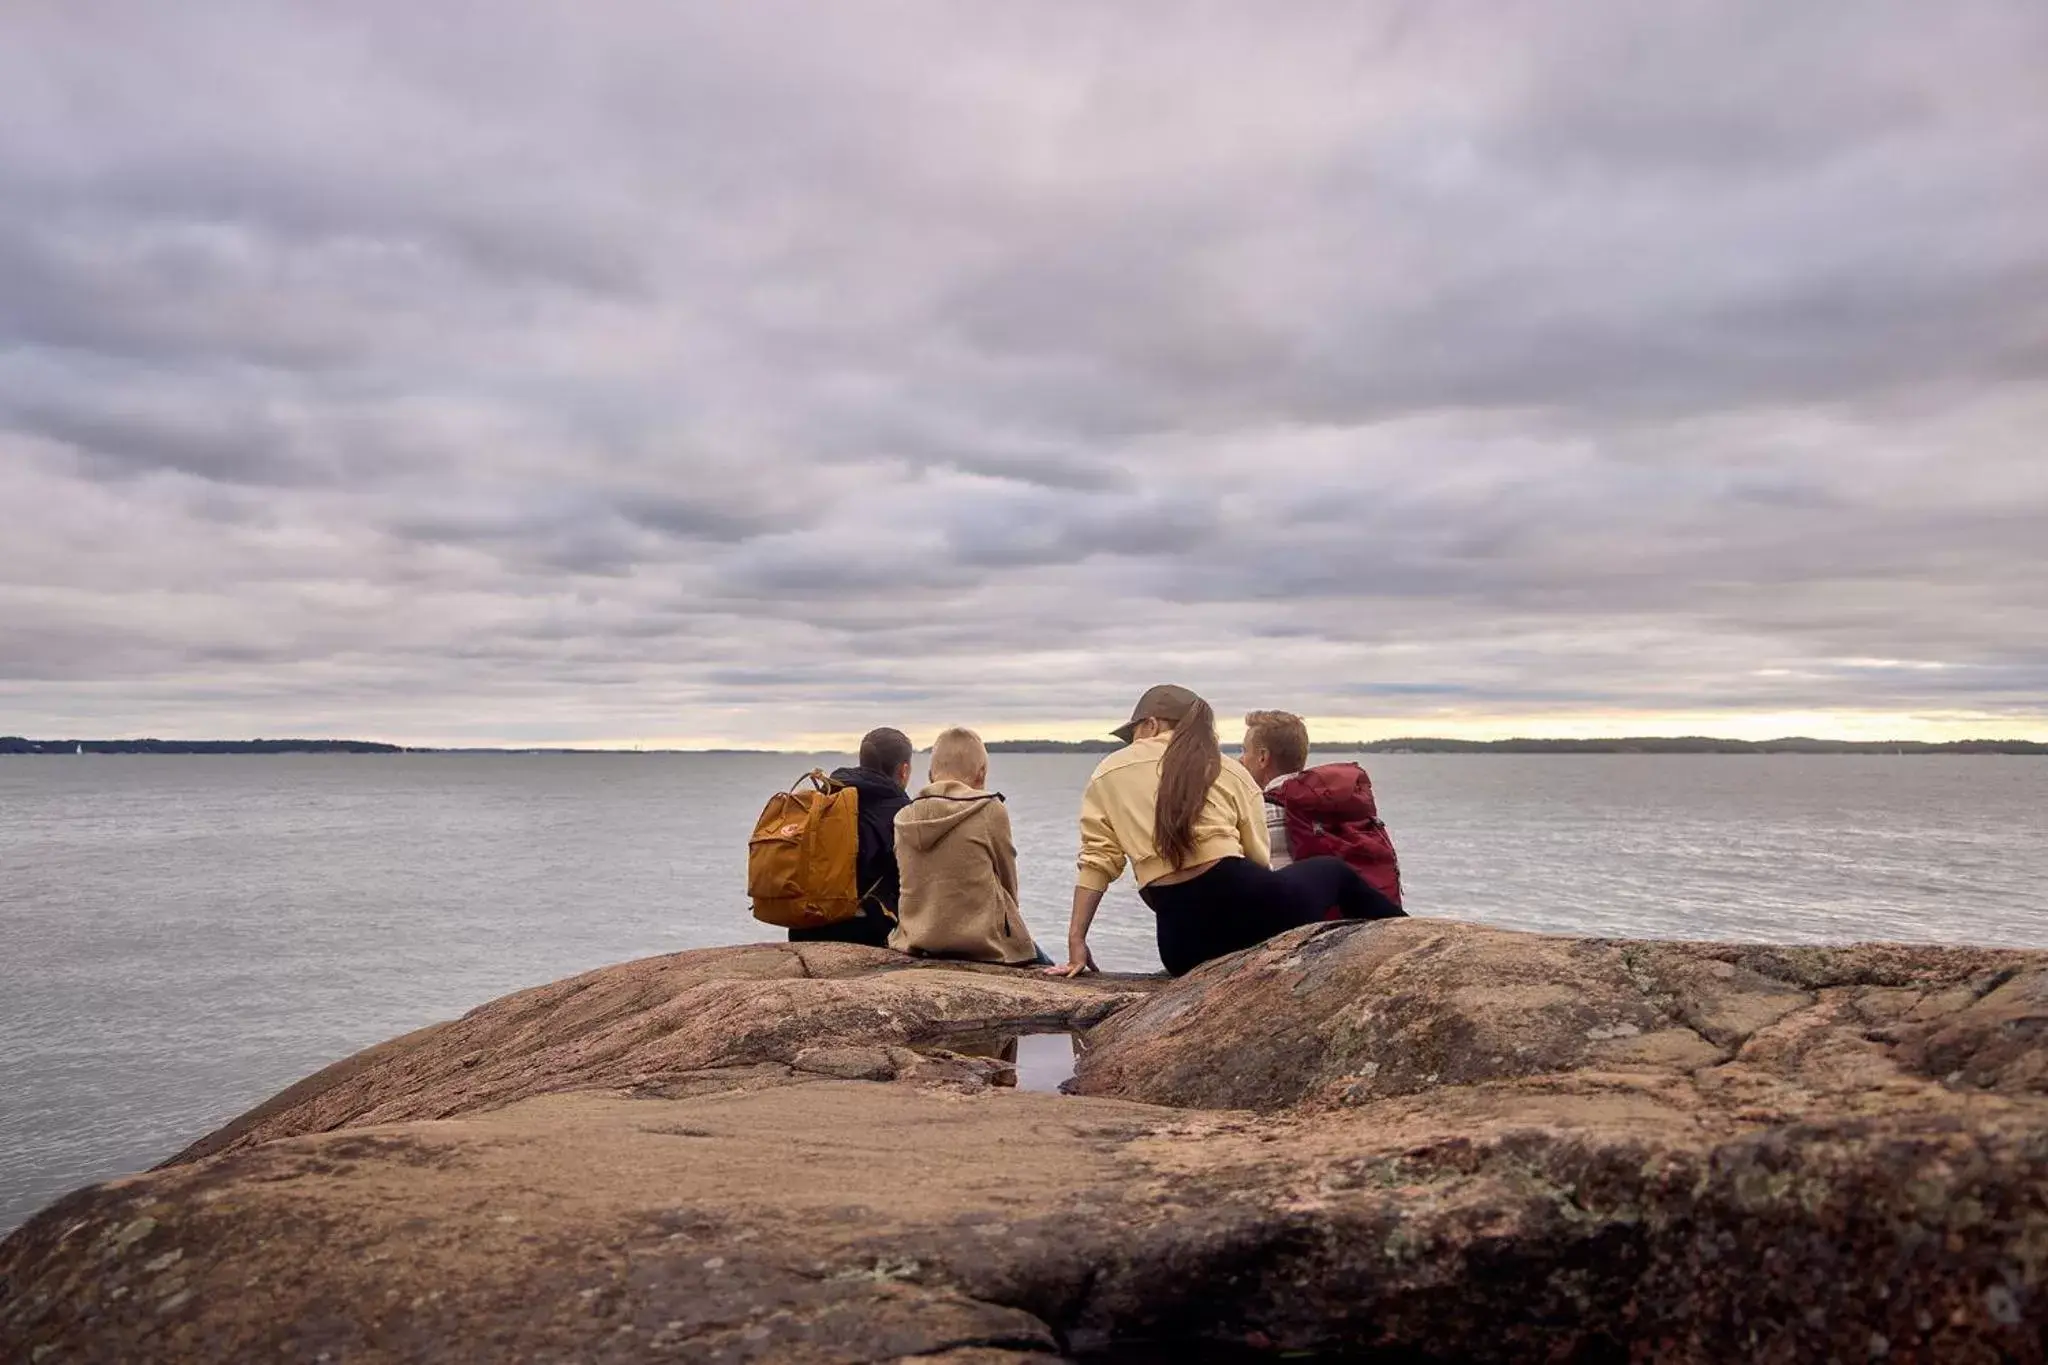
column 959, row 864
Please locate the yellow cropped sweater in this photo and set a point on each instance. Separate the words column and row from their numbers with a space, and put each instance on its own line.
column 1116, row 818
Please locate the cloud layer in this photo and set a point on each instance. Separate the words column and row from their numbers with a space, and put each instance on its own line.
column 481, row 373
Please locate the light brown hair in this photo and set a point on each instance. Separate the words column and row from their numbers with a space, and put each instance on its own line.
column 1192, row 763
column 1281, row 734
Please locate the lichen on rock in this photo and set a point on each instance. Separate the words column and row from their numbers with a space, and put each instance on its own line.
column 1412, row 1140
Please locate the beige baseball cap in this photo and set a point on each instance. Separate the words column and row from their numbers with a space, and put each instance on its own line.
column 1165, row 702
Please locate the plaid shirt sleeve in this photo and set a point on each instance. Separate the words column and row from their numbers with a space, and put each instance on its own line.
column 1276, row 834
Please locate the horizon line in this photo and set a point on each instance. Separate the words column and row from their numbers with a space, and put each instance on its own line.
column 558, row 747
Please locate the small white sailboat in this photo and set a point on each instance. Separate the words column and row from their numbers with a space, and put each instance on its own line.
column 81, row 749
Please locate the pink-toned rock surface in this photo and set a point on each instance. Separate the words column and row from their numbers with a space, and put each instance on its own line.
column 1409, row 1141
column 1350, row 1014
column 711, row 1020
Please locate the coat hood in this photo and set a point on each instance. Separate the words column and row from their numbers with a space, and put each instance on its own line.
column 938, row 811
column 876, row 786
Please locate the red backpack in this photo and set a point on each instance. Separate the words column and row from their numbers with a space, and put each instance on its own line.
column 1330, row 810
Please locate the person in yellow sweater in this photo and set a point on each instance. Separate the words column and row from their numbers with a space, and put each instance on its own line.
column 1191, row 824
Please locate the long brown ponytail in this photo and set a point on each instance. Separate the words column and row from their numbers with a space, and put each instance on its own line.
column 1192, row 763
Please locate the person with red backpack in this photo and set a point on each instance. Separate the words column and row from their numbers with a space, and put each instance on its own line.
column 1327, row 810
column 1190, row 824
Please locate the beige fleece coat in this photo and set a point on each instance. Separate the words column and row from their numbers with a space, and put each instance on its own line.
column 959, row 868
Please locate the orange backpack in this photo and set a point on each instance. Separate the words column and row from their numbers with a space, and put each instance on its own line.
column 801, row 860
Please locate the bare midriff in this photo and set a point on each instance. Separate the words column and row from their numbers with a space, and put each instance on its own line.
column 1186, row 874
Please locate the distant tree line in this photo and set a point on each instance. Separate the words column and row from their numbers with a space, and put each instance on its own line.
column 1688, row 744
column 15, row 744
column 1693, row 744
column 1054, row 746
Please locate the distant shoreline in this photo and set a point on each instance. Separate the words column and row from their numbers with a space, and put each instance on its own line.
column 1691, row 744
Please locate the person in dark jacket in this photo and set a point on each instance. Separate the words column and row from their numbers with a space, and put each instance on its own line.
column 880, row 779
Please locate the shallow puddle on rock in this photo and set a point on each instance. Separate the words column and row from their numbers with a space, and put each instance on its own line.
column 1045, row 1061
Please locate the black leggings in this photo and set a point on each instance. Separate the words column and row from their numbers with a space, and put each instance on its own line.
column 1237, row 903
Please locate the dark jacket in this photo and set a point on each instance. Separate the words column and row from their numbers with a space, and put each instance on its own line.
column 874, row 867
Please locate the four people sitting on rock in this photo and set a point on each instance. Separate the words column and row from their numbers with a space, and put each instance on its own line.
column 1199, row 830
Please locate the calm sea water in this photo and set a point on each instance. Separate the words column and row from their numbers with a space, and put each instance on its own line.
column 182, row 937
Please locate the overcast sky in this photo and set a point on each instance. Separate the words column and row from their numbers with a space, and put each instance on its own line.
column 745, row 373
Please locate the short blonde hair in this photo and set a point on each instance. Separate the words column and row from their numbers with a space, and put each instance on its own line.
column 1282, row 734
column 958, row 753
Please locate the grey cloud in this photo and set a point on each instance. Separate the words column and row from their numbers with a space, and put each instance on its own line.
column 1015, row 532
column 200, row 443
column 567, row 538
column 740, row 370
column 229, row 427
column 688, row 519
column 59, row 289
column 1722, row 108
column 1079, row 474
